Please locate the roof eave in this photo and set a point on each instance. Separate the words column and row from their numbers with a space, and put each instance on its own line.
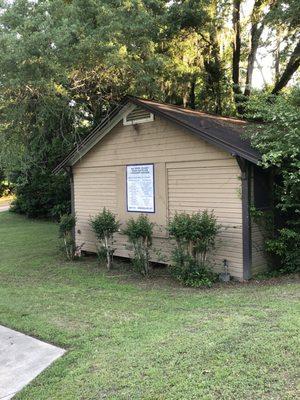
column 92, row 139
column 95, row 136
column 209, row 138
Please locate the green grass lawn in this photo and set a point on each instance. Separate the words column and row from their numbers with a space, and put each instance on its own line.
column 132, row 339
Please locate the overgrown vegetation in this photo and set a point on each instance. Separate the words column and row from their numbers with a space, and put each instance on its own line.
column 41, row 194
column 286, row 245
column 195, row 236
column 65, row 64
column 104, row 225
column 277, row 137
column 140, row 233
column 5, row 186
column 66, row 233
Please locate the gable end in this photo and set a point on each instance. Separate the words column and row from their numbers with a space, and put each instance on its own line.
column 134, row 111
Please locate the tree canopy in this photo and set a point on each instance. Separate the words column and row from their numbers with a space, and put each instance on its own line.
column 66, row 63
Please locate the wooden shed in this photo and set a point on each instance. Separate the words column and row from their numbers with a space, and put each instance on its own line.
column 156, row 158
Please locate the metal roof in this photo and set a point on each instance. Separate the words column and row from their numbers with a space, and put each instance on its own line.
column 223, row 132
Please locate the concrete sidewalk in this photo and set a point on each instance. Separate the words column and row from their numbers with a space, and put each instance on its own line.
column 22, row 358
column 4, row 207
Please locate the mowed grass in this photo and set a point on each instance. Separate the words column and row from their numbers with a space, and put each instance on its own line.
column 127, row 340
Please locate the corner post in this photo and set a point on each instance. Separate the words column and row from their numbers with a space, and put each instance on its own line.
column 247, row 250
column 71, row 177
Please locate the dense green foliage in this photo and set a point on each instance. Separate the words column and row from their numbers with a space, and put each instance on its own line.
column 66, row 224
column 40, row 193
column 277, row 137
column 66, row 63
column 286, row 245
column 140, row 232
column 195, row 236
column 104, row 226
column 66, row 228
column 5, row 186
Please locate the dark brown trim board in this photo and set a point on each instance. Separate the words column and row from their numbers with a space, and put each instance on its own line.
column 70, row 172
column 224, row 133
column 225, row 138
column 247, row 248
column 96, row 131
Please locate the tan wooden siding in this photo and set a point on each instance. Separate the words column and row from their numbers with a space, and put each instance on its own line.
column 189, row 175
column 158, row 141
column 93, row 190
column 203, row 186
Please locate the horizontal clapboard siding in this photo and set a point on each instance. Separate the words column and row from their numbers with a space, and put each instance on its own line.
column 92, row 192
column 190, row 174
column 155, row 141
column 202, row 187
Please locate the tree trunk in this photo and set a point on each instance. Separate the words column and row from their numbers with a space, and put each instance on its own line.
column 236, row 53
column 185, row 100
column 213, row 67
column 219, row 108
column 108, row 256
column 192, row 99
column 216, row 72
column 290, row 69
column 257, row 26
column 277, row 55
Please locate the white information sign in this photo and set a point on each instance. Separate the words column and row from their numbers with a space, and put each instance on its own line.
column 140, row 188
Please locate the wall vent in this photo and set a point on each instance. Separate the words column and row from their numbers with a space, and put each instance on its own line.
column 138, row 116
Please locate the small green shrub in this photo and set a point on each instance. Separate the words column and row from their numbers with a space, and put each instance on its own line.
column 104, row 226
column 195, row 236
column 66, row 226
column 102, row 254
column 140, row 232
column 59, row 209
column 190, row 272
column 287, row 247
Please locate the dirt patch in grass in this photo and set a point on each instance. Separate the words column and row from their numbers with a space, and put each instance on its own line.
column 160, row 277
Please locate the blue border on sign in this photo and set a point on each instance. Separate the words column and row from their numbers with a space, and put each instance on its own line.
column 141, row 211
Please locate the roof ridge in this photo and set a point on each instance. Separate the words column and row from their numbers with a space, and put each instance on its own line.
column 225, row 117
column 227, row 136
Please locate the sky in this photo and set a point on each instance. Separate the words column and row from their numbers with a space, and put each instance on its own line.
column 263, row 73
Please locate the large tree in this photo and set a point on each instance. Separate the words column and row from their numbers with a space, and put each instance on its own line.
column 278, row 18
column 66, row 63
column 206, row 76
